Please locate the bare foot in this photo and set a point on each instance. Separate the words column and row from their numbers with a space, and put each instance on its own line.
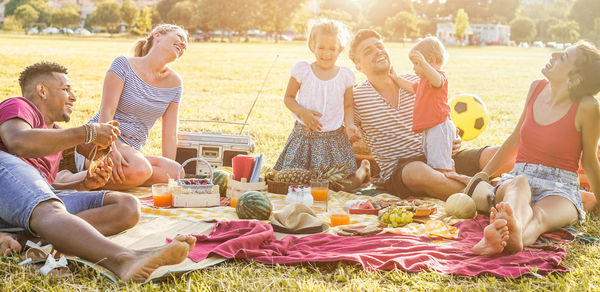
column 515, row 233
column 140, row 266
column 363, row 173
column 494, row 239
column 8, row 244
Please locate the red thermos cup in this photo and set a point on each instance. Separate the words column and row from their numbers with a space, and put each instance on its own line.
column 242, row 167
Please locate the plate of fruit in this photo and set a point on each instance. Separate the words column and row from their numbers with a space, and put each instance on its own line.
column 419, row 208
column 395, row 216
column 363, row 207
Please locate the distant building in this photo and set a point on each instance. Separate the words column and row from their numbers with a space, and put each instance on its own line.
column 476, row 34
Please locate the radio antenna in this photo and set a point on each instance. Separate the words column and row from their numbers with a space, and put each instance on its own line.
column 259, row 92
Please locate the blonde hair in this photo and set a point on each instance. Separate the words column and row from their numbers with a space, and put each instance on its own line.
column 432, row 49
column 327, row 26
column 143, row 46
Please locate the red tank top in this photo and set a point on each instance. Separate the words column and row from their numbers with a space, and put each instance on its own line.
column 555, row 145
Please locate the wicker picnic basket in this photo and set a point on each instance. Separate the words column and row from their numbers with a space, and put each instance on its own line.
column 278, row 187
column 196, row 185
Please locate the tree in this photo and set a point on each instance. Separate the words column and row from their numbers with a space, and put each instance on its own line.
column 380, row 10
column 107, row 15
column 11, row 24
column 26, row 15
column 339, row 15
column 129, row 13
column 596, row 32
column 565, row 31
column 301, row 19
column 402, row 25
column 504, row 9
column 164, row 7
column 427, row 9
column 584, row 12
column 476, row 9
column 66, row 16
column 522, row 29
column 43, row 9
column 461, row 24
column 276, row 15
column 351, row 7
column 144, row 19
column 9, row 8
column 542, row 28
column 181, row 13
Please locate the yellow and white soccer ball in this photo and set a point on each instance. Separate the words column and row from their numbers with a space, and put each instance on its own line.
column 469, row 115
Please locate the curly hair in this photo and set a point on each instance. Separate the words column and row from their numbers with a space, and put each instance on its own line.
column 37, row 70
column 432, row 49
column 360, row 36
column 584, row 79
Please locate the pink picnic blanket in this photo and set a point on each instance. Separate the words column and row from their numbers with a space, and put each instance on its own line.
column 255, row 241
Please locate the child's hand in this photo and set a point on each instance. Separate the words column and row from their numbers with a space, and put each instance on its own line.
column 352, row 132
column 416, row 57
column 311, row 120
column 392, row 73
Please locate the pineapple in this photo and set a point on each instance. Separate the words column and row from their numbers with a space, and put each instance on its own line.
column 335, row 175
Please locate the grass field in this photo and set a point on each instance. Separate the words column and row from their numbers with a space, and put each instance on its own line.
column 221, row 81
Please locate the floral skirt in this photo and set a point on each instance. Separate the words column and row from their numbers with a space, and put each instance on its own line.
column 316, row 150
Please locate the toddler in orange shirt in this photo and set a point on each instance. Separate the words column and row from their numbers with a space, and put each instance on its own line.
column 431, row 114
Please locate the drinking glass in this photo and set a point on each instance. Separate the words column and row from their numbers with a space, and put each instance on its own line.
column 161, row 195
column 319, row 190
column 339, row 216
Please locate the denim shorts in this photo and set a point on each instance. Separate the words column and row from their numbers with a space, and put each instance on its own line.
column 22, row 188
column 547, row 181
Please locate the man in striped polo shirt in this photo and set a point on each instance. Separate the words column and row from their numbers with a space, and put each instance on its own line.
column 384, row 113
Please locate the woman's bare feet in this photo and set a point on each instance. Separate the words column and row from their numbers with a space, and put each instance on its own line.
column 8, row 244
column 515, row 233
column 139, row 266
column 494, row 239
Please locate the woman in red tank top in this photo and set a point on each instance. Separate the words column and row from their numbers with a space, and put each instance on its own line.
column 559, row 125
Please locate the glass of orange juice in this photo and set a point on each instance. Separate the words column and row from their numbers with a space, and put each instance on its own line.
column 161, row 195
column 319, row 190
column 339, row 216
column 233, row 201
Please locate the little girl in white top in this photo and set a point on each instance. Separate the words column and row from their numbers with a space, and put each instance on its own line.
column 319, row 95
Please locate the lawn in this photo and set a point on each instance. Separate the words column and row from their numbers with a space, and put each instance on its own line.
column 221, row 81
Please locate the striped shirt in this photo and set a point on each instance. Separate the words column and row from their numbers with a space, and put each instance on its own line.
column 387, row 130
column 140, row 104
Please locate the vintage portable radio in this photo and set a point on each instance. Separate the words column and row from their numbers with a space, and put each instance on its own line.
column 216, row 148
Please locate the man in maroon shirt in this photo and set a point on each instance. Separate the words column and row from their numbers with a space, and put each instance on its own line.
column 75, row 222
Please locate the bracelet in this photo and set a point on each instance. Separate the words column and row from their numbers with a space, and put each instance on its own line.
column 92, row 134
column 87, row 133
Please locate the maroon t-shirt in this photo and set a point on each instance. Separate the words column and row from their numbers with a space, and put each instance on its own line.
column 21, row 108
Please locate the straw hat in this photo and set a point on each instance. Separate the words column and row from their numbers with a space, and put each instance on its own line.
column 297, row 218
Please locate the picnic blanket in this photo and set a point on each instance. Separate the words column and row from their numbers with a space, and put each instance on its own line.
column 255, row 241
column 440, row 226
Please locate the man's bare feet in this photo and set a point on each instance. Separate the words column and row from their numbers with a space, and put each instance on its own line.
column 9, row 244
column 363, row 173
column 515, row 232
column 494, row 239
column 139, row 266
